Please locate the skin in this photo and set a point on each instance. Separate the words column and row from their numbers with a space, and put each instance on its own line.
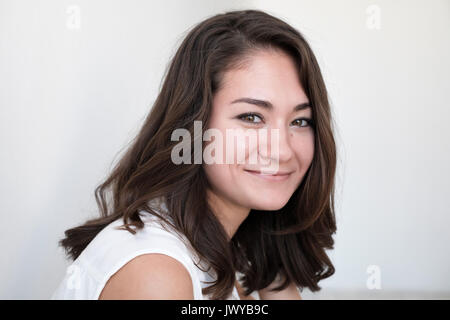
column 169, row 280
column 270, row 76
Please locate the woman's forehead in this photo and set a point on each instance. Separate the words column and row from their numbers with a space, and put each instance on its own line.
column 272, row 76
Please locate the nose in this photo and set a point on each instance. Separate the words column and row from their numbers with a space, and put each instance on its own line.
column 279, row 148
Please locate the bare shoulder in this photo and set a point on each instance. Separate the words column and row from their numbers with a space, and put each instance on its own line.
column 152, row 276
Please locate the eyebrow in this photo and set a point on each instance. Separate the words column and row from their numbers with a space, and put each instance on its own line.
column 269, row 106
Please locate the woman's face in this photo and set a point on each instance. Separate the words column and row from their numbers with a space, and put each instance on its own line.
column 272, row 77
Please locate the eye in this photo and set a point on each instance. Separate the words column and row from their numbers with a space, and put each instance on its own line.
column 303, row 122
column 250, row 117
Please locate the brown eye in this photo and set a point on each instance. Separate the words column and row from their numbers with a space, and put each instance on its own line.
column 250, row 117
column 302, row 122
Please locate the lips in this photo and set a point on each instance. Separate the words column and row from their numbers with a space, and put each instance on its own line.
column 279, row 173
column 279, row 176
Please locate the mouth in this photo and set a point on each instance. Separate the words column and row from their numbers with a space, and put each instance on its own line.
column 279, row 176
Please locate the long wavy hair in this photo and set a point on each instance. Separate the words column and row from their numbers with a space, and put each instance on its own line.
column 289, row 243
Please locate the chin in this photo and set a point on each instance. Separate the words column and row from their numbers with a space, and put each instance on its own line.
column 270, row 205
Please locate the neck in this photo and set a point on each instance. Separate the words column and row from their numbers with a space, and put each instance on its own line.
column 229, row 214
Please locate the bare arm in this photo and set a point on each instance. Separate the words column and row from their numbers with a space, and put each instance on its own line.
column 151, row 277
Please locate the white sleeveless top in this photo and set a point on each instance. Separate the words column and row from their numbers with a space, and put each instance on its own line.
column 112, row 248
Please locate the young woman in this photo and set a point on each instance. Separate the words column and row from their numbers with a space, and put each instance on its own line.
column 213, row 230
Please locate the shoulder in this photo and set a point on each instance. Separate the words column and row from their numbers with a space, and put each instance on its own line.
column 150, row 276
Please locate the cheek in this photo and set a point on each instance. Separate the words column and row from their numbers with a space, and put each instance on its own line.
column 305, row 151
column 212, row 171
column 218, row 175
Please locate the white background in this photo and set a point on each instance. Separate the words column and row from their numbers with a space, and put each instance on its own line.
column 71, row 100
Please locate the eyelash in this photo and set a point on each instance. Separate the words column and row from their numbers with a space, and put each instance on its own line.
column 308, row 120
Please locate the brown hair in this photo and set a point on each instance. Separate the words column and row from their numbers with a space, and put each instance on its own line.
column 289, row 242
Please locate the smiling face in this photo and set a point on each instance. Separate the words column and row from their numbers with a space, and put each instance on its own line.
column 271, row 76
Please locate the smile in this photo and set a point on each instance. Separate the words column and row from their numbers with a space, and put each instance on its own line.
column 270, row 177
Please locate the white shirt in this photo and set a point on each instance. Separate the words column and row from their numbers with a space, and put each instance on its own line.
column 111, row 249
